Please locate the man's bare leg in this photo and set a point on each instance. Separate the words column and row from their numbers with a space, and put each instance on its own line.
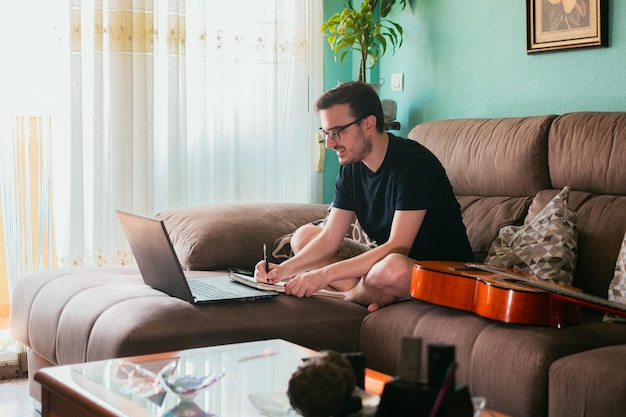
column 388, row 281
column 301, row 237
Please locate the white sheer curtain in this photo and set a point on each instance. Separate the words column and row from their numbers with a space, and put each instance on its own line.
column 181, row 103
column 147, row 105
column 32, row 110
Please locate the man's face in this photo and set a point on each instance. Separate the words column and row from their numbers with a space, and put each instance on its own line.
column 345, row 134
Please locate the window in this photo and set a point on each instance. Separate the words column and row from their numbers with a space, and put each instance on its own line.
column 145, row 109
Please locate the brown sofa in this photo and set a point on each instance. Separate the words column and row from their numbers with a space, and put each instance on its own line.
column 503, row 171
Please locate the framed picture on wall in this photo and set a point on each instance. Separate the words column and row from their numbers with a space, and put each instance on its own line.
column 565, row 24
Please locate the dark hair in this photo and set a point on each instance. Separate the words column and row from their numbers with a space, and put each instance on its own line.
column 362, row 99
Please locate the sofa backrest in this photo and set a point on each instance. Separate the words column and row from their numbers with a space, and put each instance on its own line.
column 491, row 157
column 587, row 151
column 496, row 167
column 505, row 170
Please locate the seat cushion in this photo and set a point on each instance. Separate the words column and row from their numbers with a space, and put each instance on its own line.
column 591, row 383
column 72, row 315
column 488, row 352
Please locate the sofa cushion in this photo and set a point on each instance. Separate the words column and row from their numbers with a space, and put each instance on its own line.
column 617, row 287
column 601, row 225
column 591, row 383
column 80, row 314
column 491, row 157
column 544, row 247
column 488, row 352
column 587, row 150
column 232, row 235
column 501, row 211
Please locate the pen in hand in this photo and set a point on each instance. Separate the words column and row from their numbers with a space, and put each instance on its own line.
column 267, row 265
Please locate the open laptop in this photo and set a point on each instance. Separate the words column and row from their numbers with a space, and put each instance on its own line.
column 161, row 269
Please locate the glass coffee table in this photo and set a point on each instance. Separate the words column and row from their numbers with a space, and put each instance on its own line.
column 248, row 379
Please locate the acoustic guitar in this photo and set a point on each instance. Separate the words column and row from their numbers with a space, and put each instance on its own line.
column 505, row 295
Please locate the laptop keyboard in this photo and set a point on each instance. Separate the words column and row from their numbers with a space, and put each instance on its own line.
column 200, row 287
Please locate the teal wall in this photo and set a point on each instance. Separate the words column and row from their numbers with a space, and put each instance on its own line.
column 468, row 59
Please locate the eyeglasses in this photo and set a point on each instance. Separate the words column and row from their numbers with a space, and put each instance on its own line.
column 334, row 133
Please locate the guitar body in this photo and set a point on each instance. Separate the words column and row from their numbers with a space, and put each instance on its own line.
column 452, row 284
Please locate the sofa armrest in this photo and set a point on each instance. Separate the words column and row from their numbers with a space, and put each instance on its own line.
column 232, row 235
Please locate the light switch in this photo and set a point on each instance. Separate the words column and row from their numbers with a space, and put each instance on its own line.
column 397, row 81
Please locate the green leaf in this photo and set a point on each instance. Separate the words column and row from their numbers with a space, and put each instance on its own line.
column 359, row 30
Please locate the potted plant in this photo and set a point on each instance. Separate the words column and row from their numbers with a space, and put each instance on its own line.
column 360, row 30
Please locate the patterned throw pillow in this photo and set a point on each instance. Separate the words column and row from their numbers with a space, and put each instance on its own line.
column 617, row 287
column 544, row 247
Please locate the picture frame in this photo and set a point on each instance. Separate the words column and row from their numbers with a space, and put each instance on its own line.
column 553, row 25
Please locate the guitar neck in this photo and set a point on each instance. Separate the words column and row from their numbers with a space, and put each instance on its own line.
column 588, row 300
column 578, row 297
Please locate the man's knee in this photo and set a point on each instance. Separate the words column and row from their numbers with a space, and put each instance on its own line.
column 392, row 264
column 392, row 269
column 303, row 235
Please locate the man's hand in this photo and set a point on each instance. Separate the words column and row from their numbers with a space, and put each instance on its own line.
column 302, row 285
column 306, row 284
column 271, row 277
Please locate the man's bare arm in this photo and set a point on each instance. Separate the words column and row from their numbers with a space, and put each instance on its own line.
column 323, row 247
column 404, row 229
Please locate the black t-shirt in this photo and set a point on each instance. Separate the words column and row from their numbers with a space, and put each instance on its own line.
column 410, row 178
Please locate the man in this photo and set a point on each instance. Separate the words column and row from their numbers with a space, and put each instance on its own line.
column 400, row 195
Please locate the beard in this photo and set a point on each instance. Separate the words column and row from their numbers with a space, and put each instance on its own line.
column 362, row 147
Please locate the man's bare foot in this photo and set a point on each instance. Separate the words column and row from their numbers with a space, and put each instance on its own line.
column 373, row 307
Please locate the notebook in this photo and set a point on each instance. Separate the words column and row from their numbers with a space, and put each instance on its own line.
column 161, row 269
column 248, row 279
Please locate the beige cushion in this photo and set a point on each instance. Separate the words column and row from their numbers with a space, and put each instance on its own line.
column 355, row 243
column 545, row 246
column 282, row 246
column 617, row 287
